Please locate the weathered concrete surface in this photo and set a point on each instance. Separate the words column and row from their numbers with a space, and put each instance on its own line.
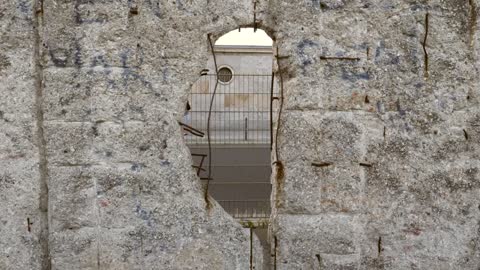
column 394, row 135
column 90, row 96
column 111, row 80
column 122, row 191
column 21, row 217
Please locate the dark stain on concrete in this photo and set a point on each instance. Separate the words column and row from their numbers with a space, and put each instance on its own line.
column 154, row 6
column 144, row 214
column 354, row 75
column 131, row 73
column 86, row 16
column 305, row 59
column 4, row 62
column 77, row 56
column 59, row 57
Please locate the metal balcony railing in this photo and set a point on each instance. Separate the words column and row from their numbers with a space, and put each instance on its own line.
column 241, row 113
column 247, row 209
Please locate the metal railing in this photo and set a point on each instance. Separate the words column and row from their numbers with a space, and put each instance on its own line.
column 241, row 112
column 247, row 209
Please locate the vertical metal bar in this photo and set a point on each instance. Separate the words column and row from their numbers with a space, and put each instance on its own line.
column 233, row 114
column 207, row 101
column 271, row 111
column 187, row 139
column 221, row 113
column 231, row 93
column 261, row 109
column 238, row 113
column 225, row 110
column 206, row 97
column 220, row 110
column 254, row 95
column 199, row 118
column 217, row 113
column 199, row 107
column 262, row 106
column 197, row 100
column 228, row 114
column 258, row 100
column 245, row 128
column 231, row 111
column 248, row 94
column 255, row 82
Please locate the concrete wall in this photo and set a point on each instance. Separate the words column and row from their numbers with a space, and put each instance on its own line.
column 381, row 95
column 91, row 94
column 23, row 205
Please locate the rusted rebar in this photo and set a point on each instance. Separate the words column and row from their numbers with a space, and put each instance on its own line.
column 280, row 109
column 424, row 46
column 192, row 130
column 339, row 58
column 363, row 164
column 321, row 164
column 208, row 123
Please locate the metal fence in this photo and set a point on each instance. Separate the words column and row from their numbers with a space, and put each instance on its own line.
column 247, row 209
column 241, row 112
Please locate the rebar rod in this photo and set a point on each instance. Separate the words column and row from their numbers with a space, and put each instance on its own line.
column 208, row 123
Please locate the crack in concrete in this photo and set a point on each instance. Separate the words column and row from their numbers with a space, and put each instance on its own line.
column 41, row 142
column 473, row 25
column 473, row 21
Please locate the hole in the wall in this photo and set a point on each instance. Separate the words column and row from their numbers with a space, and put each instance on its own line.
column 133, row 11
column 241, row 118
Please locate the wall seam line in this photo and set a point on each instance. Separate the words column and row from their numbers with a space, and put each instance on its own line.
column 41, row 142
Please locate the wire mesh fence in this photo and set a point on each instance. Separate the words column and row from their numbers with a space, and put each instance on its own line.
column 241, row 112
column 247, row 209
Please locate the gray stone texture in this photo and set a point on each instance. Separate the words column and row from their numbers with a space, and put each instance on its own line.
column 90, row 97
column 383, row 93
column 21, row 244
column 396, row 135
